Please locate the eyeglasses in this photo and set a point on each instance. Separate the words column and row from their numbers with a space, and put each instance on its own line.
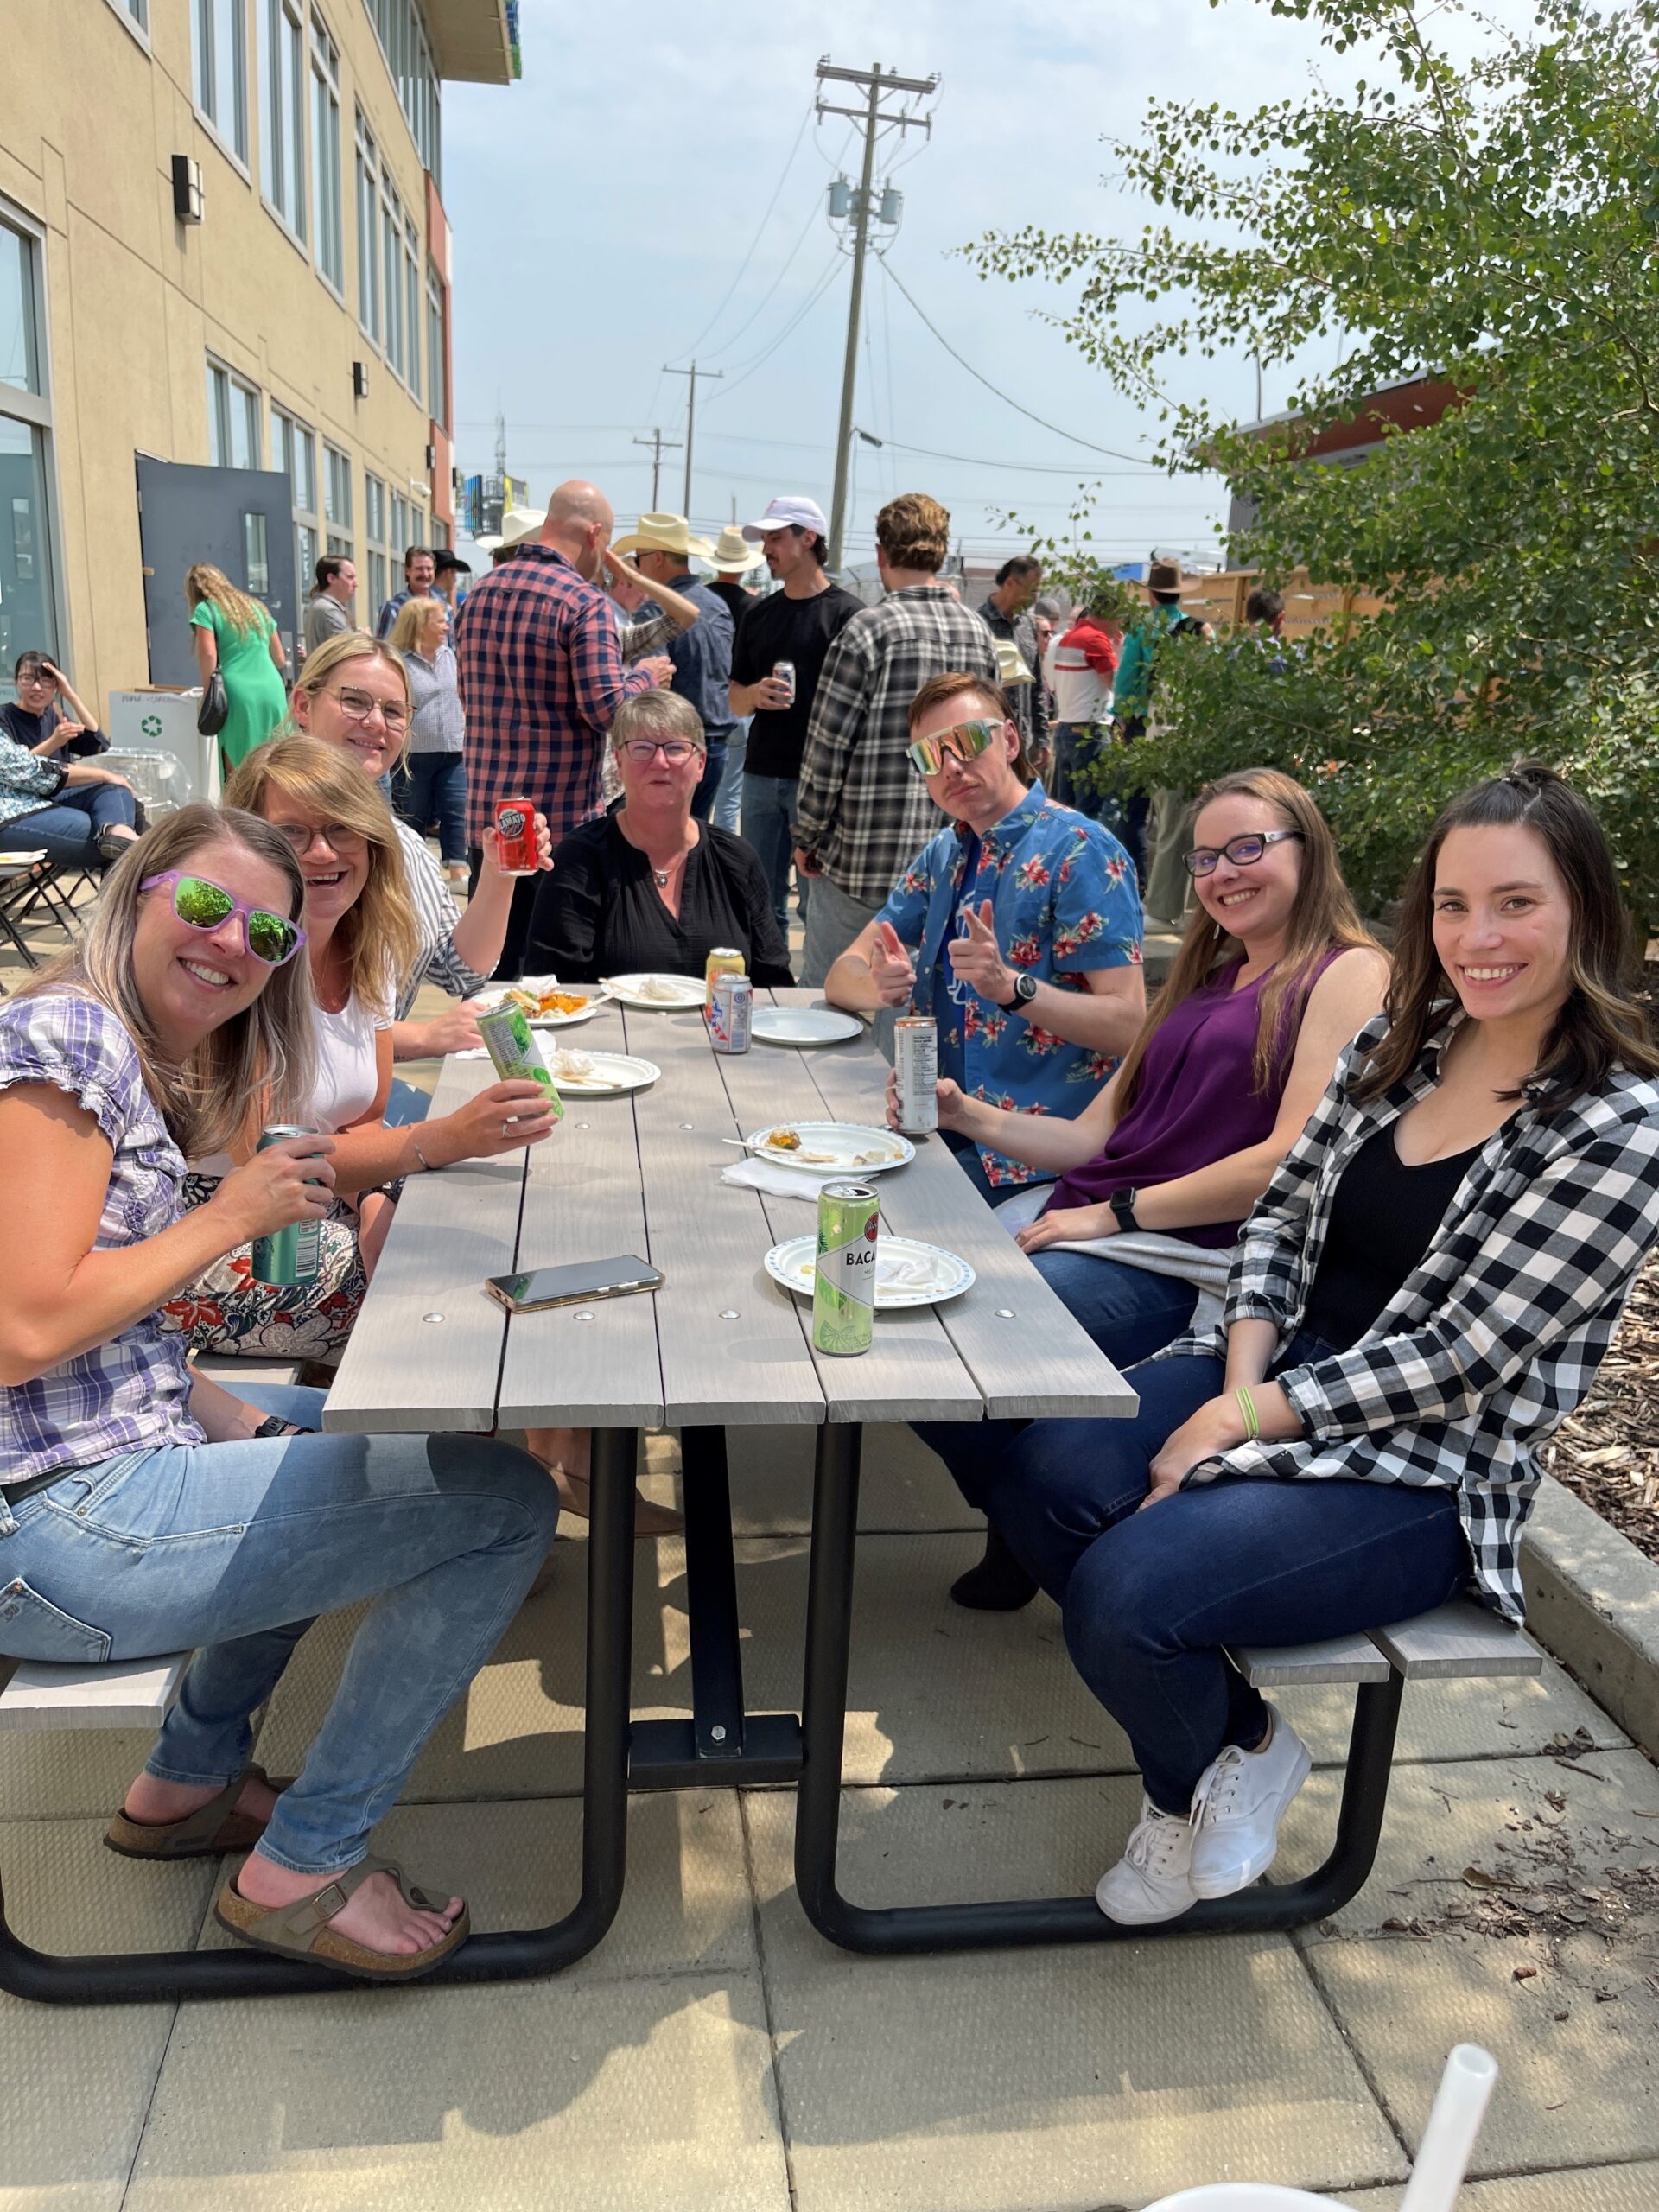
column 642, row 751
column 358, row 706
column 962, row 741
column 1244, row 852
column 337, row 835
column 203, row 906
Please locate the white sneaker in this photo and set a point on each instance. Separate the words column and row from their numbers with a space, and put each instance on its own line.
column 1152, row 1880
column 1240, row 1798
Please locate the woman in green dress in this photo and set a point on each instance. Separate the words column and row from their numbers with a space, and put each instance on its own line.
column 237, row 636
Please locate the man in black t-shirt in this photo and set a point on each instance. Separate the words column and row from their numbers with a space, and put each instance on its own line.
column 798, row 624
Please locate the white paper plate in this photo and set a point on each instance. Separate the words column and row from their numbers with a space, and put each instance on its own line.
column 596, row 995
column 615, row 1074
column 906, row 1273
column 804, row 1025
column 687, row 992
column 843, row 1142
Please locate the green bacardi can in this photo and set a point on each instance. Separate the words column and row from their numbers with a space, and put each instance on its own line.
column 510, row 1043
column 293, row 1254
column 843, row 1281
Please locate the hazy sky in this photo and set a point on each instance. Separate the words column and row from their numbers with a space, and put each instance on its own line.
column 603, row 208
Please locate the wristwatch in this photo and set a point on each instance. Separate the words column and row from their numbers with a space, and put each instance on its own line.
column 274, row 1425
column 1025, row 989
column 1122, row 1205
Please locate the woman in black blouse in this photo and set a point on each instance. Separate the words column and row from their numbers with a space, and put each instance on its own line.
column 645, row 888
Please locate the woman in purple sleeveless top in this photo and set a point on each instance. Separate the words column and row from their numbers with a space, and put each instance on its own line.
column 1275, row 977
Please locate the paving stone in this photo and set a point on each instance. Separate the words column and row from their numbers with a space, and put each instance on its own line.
column 509, row 2098
column 902, row 1485
column 76, row 1771
column 1072, row 2076
column 1591, row 2189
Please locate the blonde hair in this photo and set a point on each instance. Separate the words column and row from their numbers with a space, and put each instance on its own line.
column 334, row 654
column 260, row 1065
column 202, row 581
column 381, row 935
column 412, row 618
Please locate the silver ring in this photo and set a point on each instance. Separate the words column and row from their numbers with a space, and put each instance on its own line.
column 506, row 1128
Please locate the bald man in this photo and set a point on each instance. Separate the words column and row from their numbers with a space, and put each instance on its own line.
column 541, row 680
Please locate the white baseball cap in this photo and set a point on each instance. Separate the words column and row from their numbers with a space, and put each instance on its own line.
column 788, row 514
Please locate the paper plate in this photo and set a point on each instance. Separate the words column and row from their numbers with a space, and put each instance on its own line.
column 804, row 1025
column 612, row 1074
column 657, row 994
column 595, row 994
column 842, row 1148
column 906, row 1273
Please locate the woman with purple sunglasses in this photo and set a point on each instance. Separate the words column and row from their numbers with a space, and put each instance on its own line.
column 142, row 1508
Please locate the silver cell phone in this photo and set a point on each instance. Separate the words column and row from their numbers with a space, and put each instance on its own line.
column 568, row 1286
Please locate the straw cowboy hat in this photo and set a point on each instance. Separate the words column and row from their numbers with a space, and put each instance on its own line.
column 663, row 534
column 733, row 555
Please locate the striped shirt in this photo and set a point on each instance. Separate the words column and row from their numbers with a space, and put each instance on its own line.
column 1496, row 1334
column 437, row 915
column 860, row 807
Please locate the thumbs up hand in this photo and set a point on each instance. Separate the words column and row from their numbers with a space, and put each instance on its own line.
column 892, row 970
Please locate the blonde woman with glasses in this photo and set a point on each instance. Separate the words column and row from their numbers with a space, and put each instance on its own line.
column 236, row 637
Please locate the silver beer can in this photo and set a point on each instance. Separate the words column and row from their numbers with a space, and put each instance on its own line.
column 731, row 1016
column 784, row 673
column 916, row 1062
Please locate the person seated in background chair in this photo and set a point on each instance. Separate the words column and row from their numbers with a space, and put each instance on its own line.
column 52, row 800
column 46, row 716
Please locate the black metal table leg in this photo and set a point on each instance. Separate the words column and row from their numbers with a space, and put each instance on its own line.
column 144, row 1977
column 1023, row 1920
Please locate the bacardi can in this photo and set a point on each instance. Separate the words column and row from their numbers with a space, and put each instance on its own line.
column 724, row 960
column 843, row 1281
column 516, row 1056
column 731, row 1019
column 916, row 1063
column 515, row 831
column 784, row 670
column 293, row 1254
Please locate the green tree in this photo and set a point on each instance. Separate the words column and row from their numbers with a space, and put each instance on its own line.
column 1489, row 220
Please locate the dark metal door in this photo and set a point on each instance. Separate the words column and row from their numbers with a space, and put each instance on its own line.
column 242, row 520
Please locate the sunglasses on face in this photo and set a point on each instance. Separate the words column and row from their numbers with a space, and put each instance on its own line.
column 203, row 906
column 642, row 751
column 358, row 706
column 962, row 741
column 336, row 834
column 1244, row 852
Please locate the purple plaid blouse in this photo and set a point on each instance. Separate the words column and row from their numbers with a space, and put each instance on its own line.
column 132, row 1394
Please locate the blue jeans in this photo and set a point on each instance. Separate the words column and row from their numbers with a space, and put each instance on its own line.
column 768, row 809
column 1128, row 1313
column 66, row 831
column 234, row 1548
column 1150, row 1600
column 713, row 767
column 431, row 787
column 729, row 795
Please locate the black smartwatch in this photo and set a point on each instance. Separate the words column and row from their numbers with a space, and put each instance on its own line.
column 1122, row 1205
column 1025, row 989
column 274, row 1425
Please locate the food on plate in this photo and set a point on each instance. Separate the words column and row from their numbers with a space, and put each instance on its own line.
column 570, row 1067
column 783, row 1141
column 539, row 1004
column 881, row 1156
column 663, row 992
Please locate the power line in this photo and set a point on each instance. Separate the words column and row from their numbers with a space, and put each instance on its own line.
column 758, row 359
column 759, row 233
column 767, row 296
column 1139, row 473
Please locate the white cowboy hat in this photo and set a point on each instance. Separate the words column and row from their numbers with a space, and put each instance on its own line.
column 663, row 534
column 734, row 555
column 518, row 523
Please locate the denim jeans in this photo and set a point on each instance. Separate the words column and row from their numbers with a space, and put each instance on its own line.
column 234, row 1548
column 768, row 809
column 713, row 767
column 1127, row 1312
column 728, row 794
column 66, row 831
column 1150, row 1600
column 431, row 787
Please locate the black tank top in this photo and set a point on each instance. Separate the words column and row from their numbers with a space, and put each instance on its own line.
column 1383, row 1218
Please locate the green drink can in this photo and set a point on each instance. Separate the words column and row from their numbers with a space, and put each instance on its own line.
column 510, row 1043
column 843, row 1281
column 293, row 1254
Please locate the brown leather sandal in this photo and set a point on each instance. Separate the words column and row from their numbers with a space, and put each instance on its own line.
column 303, row 1930
column 210, row 1830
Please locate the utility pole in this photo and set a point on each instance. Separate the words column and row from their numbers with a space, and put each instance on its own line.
column 874, row 82
column 694, row 373
column 659, row 444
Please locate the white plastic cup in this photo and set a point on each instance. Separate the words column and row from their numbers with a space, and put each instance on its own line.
column 1245, row 2196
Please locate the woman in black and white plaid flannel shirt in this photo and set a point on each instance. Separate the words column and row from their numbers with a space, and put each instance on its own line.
column 1423, row 1295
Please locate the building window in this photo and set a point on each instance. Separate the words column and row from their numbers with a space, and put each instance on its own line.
column 374, row 532
column 437, row 359
column 294, row 450
column 282, row 137
column 135, row 12
column 401, row 522
column 337, row 498
column 368, row 232
column 28, row 597
column 412, row 347
column 399, row 27
column 391, row 255
column 221, row 70
column 233, row 439
column 325, row 154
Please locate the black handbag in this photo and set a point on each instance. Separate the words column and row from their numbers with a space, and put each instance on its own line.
column 215, row 709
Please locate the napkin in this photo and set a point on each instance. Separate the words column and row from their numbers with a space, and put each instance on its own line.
column 777, row 1182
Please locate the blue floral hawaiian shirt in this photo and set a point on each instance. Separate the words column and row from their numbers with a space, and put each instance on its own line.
column 1063, row 895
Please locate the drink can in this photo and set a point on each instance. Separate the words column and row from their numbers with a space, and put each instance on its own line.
column 724, row 960
column 916, row 1062
column 514, row 831
column 731, row 1019
column 785, row 672
column 517, row 1058
column 293, row 1254
column 843, row 1281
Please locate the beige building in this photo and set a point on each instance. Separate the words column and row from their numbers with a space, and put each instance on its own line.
column 223, row 249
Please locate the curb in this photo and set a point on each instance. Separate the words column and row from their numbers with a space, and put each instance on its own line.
column 1593, row 1599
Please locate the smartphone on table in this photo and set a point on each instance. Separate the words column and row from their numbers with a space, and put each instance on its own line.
column 539, row 1288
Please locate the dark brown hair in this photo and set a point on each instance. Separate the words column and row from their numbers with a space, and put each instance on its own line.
column 914, row 532
column 1600, row 1027
column 957, row 683
column 1324, row 919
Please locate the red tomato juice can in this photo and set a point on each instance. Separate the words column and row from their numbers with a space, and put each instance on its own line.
column 515, row 829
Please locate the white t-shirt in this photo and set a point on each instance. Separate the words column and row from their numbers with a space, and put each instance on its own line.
column 347, row 1075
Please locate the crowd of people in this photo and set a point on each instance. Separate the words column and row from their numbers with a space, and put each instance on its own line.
column 1357, row 1222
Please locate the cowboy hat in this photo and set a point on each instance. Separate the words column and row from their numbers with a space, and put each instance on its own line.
column 663, row 534
column 734, row 554
column 518, row 523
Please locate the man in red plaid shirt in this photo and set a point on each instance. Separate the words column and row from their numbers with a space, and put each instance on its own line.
column 541, row 680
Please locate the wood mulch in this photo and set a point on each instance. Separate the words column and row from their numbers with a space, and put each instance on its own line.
column 1608, row 1453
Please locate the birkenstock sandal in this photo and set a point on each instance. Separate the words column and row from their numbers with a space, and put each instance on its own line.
column 212, row 1830
column 303, row 1930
